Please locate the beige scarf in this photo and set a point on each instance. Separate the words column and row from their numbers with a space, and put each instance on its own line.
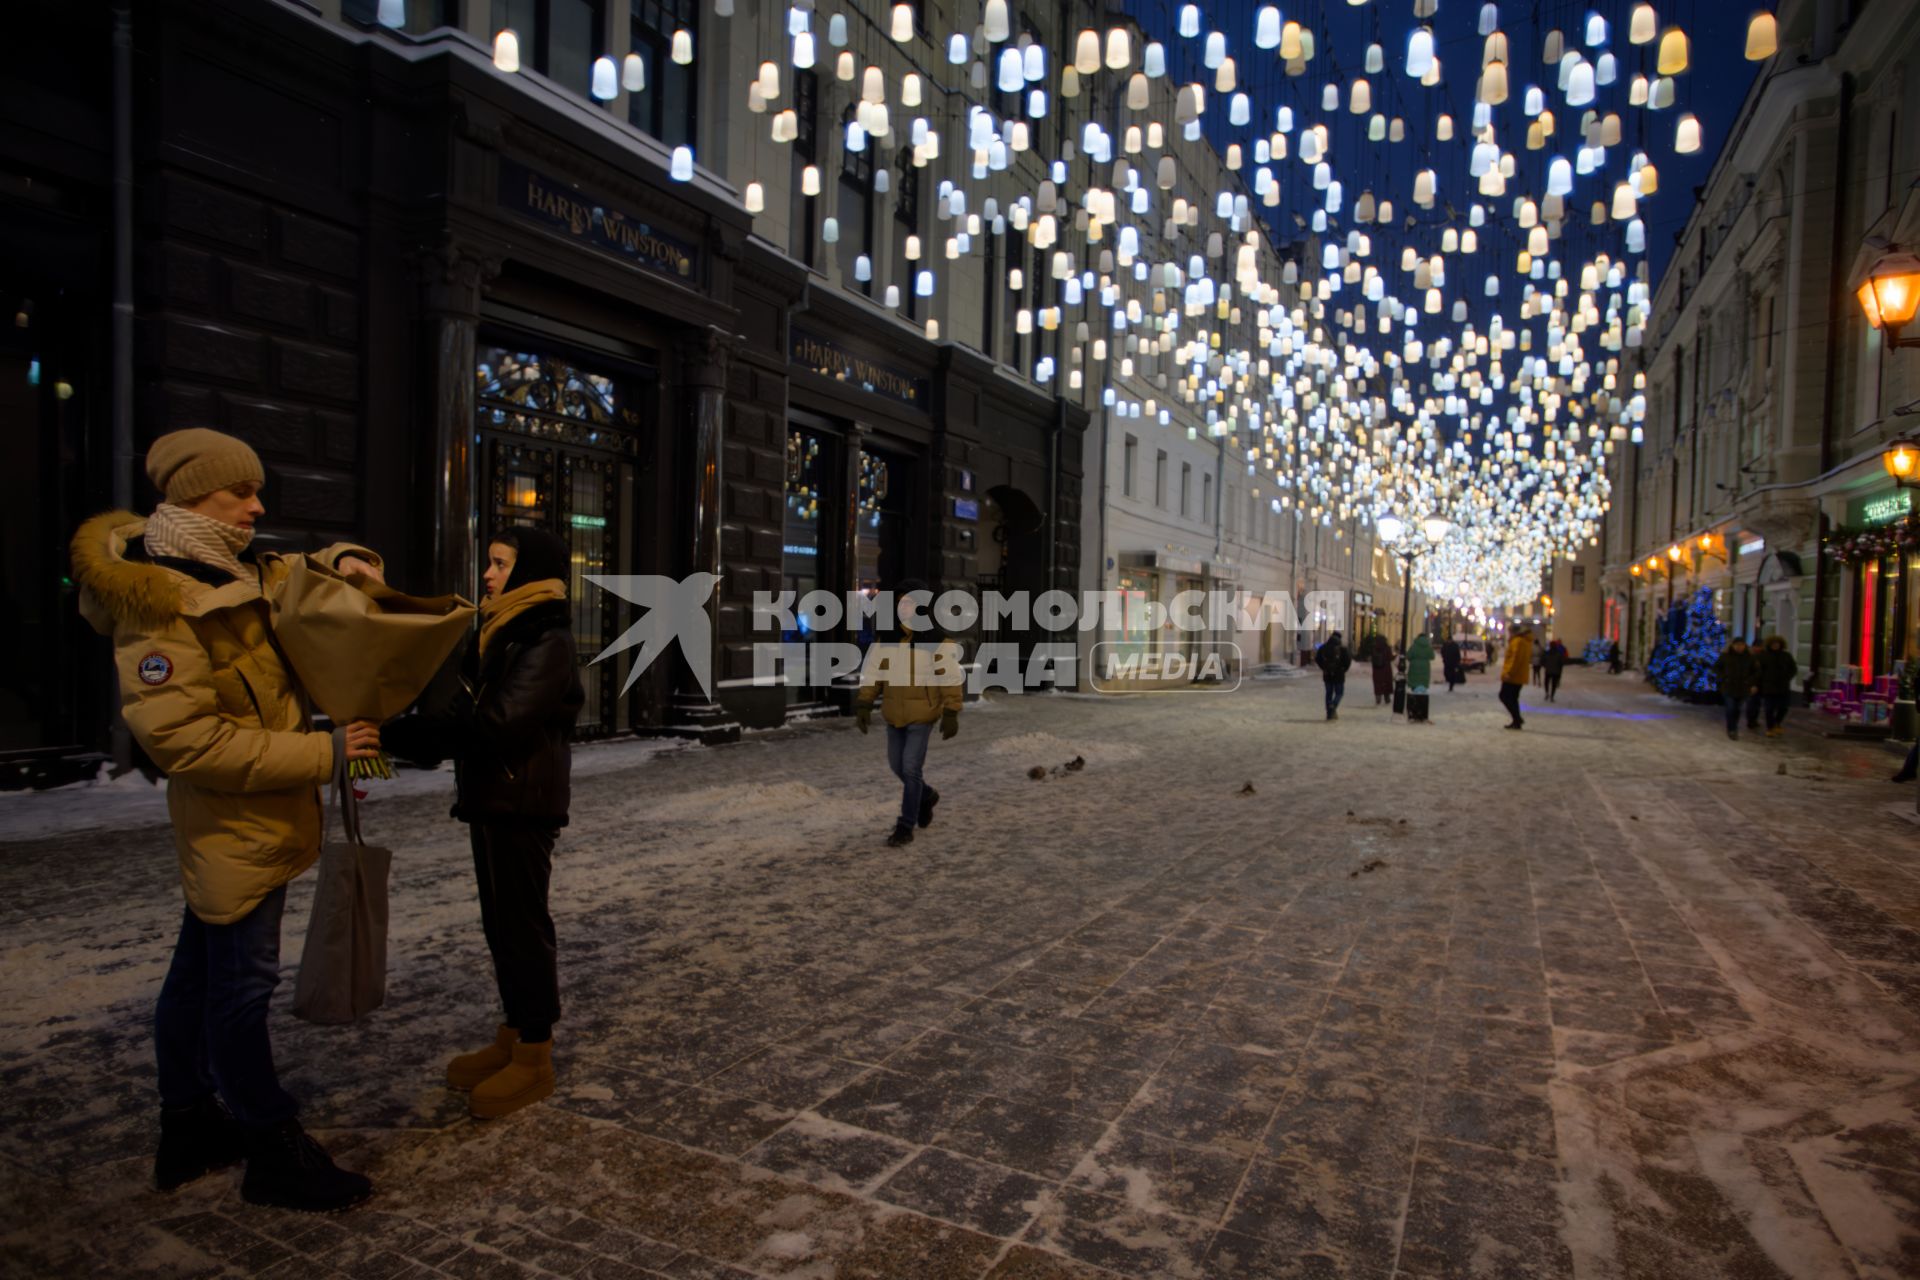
column 497, row 611
column 188, row 535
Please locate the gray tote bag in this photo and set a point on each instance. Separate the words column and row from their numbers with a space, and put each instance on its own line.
column 343, row 968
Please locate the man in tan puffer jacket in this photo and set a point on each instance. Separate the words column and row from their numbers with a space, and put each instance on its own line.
column 924, row 685
column 208, row 697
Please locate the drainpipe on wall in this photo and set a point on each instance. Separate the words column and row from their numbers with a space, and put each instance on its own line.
column 122, row 324
column 1835, row 290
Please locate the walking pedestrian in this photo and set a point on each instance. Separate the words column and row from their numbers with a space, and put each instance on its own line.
column 1777, row 669
column 1450, row 664
column 1419, row 677
column 1615, row 665
column 1738, row 674
column 206, row 695
column 509, row 733
column 1379, row 652
column 1333, row 658
column 924, row 686
column 1552, row 664
column 1539, row 664
column 1513, row 675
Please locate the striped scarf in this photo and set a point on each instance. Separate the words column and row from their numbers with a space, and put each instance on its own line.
column 188, row 535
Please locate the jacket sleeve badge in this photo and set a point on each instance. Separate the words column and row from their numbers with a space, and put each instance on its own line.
column 156, row 668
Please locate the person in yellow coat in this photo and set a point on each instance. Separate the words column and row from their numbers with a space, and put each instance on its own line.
column 1514, row 674
column 925, row 685
column 207, row 696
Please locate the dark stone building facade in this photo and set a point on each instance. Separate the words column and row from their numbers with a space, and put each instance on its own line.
column 436, row 301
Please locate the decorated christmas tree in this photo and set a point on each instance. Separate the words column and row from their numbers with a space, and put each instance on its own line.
column 1693, row 640
column 1597, row 649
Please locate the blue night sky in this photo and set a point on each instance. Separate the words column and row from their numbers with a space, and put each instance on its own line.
column 1712, row 89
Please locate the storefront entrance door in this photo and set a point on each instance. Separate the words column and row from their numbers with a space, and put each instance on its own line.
column 559, row 445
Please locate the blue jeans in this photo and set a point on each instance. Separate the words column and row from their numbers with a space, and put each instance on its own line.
column 1735, row 702
column 1336, row 690
column 210, row 1025
column 907, row 756
column 1776, row 704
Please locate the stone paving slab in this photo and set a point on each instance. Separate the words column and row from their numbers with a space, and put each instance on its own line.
column 1613, row 997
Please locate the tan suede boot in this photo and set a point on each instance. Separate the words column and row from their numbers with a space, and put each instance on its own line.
column 469, row 1069
column 522, row 1082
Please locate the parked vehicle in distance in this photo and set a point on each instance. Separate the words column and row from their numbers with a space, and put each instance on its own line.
column 1473, row 653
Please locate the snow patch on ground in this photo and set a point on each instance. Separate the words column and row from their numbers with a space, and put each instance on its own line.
column 130, row 802
column 1044, row 748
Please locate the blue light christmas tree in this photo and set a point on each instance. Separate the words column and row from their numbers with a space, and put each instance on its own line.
column 1683, row 668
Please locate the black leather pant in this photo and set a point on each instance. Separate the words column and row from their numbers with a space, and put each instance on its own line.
column 513, row 864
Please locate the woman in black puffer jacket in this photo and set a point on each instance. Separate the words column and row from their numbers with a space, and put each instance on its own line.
column 507, row 730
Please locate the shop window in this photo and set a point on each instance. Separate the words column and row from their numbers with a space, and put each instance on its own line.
column 809, row 513
column 880, row 529
column 1186, row 485
column 1206, row 498
column 1160, row 478
column 906, row 222
column 806, row 152
column 666, row 108
column 558, row 38
column 990, row 283
column 1136, row 636
column 855, row 207
column 1131, row 461
column 1578, row 584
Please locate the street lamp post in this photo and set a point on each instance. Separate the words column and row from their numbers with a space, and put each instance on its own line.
column 1902, row 461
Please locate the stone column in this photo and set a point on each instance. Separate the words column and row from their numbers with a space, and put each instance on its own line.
column 704, row 357
column 453, row 279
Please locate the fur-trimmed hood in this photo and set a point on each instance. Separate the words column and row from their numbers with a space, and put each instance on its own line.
column 113, row 588
column 118, row 590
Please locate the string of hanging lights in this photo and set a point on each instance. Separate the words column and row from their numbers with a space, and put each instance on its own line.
column 1475, row 377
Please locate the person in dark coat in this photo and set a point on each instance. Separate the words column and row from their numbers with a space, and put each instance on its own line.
column 508, row 729
column 1615, row 665
column 1333, row 658
column 1450, row 664
column 1775, row 680
column 1379, row 651
column 1552, row 664
column 1738, row 675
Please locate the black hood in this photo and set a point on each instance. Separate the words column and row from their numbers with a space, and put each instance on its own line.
column 538, row 555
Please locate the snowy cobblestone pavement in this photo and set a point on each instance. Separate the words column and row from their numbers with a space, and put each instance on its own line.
column 1613, row 997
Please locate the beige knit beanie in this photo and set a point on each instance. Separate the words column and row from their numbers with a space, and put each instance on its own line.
column 188, row 465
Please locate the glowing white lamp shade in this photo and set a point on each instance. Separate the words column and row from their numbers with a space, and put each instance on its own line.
column 506, row 50
column 1644, row 25
column 902, row 29
column 681, row 170
column 633, row 73
column 1266, row 27
column 1686, row 137
column 1419, row 52
column 683, row 47
column 606, row 79
column 756, row 198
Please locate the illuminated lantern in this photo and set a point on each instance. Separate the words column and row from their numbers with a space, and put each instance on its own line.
column 1763, row 37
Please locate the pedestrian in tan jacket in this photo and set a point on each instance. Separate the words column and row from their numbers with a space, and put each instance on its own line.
column 206, row 694
column 924, row 685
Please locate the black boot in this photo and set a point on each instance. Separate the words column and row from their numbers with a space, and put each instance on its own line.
column 928, row 799
column 902, row 834
column 289, row 1170
column 196, row 1139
